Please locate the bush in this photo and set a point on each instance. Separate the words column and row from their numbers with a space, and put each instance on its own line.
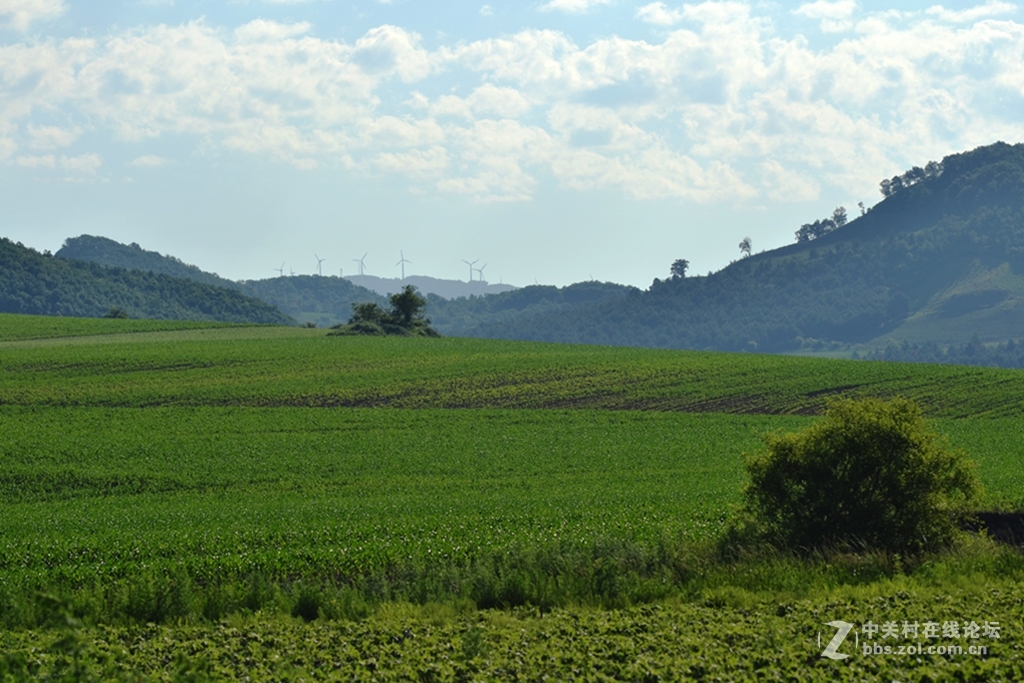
column 869, row 475
column 405, row 319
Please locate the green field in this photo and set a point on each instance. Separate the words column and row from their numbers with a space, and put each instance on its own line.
column 203, row 477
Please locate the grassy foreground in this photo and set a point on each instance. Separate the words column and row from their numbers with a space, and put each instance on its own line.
column 227, row 486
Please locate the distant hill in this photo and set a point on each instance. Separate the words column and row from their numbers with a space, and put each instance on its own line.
column 940, row 259
column 328, row 300
column 447, row 289
column 307, row 298
column 35, row 283
column 472, row 316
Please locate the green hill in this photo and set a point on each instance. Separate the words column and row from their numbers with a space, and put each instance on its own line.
column 307, row 298
column 328, row 300
column 35, row 283
column 939, row 259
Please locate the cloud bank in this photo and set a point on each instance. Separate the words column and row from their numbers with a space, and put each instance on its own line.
column 715, row 106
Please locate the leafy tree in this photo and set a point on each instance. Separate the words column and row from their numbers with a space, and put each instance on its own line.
column 896, row 184
column 405, row 317
column 115, row 312
column 407, row 306
column 839, row 216
column 368, row 312
column 810, row 231
column 745, row 246
column 679, row 267
column 869, row 474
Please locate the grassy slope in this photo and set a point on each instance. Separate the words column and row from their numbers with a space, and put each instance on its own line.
column 986, row 301
column 265, row 367
column 14, row 327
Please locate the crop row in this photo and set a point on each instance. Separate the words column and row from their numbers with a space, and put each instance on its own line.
column 267, row 367
column 102, row 494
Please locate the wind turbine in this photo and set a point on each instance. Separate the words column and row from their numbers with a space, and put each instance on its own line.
column 470, row 268
column 319, row 270
column 362, row 265
column 402, row 262
column 480, row 272
column 280, row 271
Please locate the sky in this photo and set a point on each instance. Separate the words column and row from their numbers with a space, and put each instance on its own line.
column 550, row 142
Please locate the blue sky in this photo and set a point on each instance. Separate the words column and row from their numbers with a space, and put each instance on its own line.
column 556, row 141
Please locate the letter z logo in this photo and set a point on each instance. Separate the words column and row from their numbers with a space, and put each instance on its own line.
column 843, row 629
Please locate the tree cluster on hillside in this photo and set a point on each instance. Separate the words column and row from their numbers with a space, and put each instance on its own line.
column 1008, row 354
column 933, row 169
column 819, row 228
column 850, row 285
column 405, row 318
column 41, row 284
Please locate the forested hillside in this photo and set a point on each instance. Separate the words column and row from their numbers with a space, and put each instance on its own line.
column 308, row 298
column 328, row 300
column 939, row 259
column 31, row 282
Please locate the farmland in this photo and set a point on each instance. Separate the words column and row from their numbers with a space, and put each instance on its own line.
column 201, row 477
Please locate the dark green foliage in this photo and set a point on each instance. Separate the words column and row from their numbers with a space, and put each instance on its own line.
column 404, row 319
column 851, row 284
column 1009, row 354
column 115, row 312
column 107, row 252
column 467, row 316
column 40, row 284
column 325, row 299
column 870, row 474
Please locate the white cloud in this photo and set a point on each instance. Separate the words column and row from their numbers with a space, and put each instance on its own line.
column 20, row 14
column 989, row 9
column 823, row 9
column 47, row 161
column 723, row 109
column 149, row 161
column 572, row 6
column 659, row 13
column 260, row 29
column 486, row 11
column 52, row 137
column 835, row 17
column 85, row 164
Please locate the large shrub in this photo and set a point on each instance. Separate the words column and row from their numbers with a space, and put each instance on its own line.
column 869, row 474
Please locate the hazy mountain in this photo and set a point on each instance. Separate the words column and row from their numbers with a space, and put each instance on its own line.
column 41, row 284
column 467, row 316
column 940, row 259
column 307, row 298
column 455, row 308
column 447, row 289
